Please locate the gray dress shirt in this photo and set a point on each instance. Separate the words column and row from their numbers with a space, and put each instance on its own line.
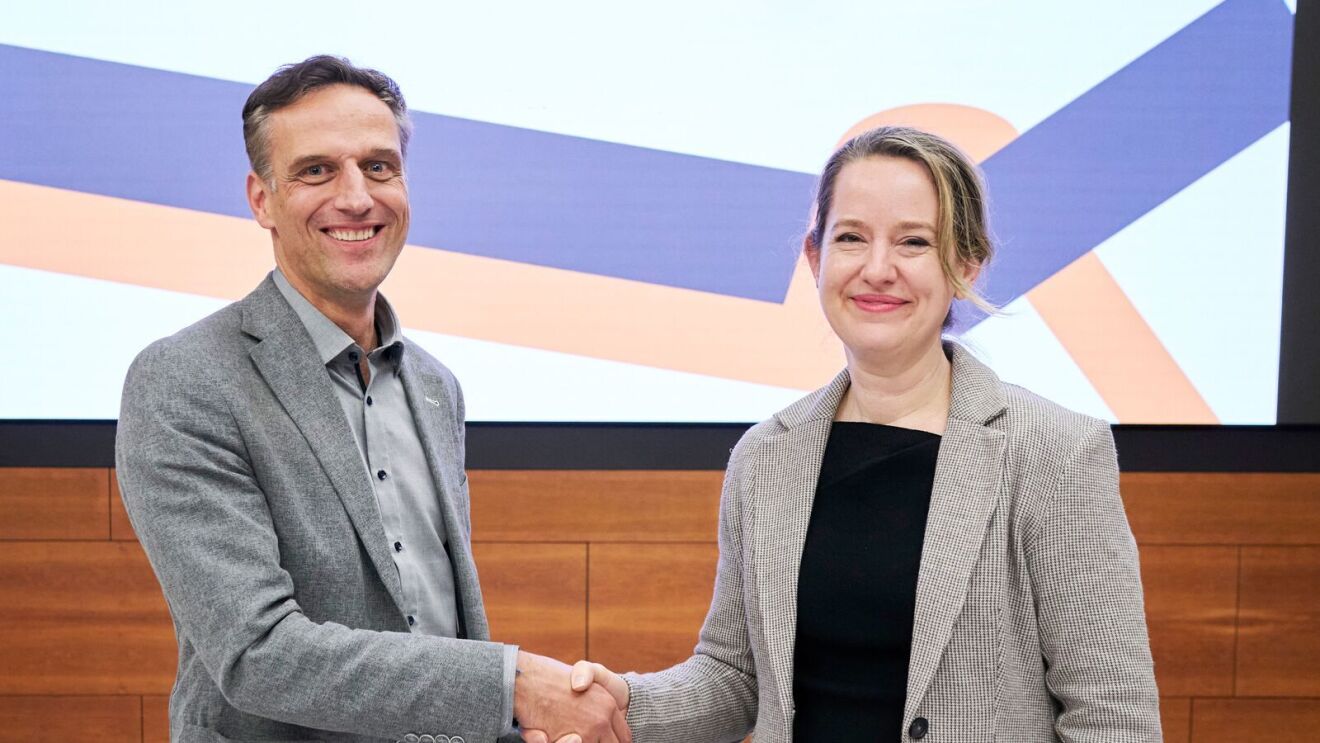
column 393, row 458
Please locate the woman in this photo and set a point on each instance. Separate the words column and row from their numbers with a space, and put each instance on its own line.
column 916, row 550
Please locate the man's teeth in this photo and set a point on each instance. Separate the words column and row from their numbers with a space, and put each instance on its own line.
column 351, row 235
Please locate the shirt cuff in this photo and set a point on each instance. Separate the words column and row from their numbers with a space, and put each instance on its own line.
column 510, row 673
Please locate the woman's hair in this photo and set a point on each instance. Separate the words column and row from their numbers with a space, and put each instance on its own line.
column 961, row 234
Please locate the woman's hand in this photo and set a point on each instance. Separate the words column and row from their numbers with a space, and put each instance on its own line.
column 585, row 673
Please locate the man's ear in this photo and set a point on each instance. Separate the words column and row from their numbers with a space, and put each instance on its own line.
column 258, row 195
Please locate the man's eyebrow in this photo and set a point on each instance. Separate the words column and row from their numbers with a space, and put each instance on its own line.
column 306, row 160
column 384, row 153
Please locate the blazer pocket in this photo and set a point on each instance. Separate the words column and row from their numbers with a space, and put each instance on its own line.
column 188, row 733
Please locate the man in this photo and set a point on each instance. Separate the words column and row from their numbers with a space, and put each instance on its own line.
column 293, row 467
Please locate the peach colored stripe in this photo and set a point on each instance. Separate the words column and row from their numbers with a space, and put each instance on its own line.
column 1115, row 348
column 786, row 345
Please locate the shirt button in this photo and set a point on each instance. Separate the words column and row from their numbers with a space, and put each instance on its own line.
column 368, row 399
column 353, row 356
column 411, row 620
column 398, row 546
column 380, row 475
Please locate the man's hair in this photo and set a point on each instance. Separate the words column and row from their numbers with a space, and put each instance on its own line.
column 291, row 82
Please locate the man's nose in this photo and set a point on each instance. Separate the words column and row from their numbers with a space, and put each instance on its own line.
column 352, row 196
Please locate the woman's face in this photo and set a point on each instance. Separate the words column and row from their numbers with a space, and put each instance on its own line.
column 877, row 268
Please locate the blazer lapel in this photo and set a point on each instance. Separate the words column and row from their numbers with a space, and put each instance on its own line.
column 788, row 467
column 432, row 405
column 967, row 481
column 287, row 360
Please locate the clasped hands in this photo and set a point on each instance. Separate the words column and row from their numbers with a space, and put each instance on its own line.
column 587, row 703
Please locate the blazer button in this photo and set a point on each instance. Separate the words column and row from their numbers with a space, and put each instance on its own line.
column 918, row 728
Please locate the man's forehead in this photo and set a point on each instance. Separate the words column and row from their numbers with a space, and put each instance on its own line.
column 332, row 121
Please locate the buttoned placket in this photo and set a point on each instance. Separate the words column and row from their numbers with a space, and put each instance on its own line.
column 379, row 362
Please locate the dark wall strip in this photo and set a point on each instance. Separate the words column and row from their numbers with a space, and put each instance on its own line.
column 587, row 446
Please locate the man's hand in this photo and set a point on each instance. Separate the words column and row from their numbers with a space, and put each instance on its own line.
column 547, row 707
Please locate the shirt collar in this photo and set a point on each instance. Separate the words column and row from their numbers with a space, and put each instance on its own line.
column 331, row 341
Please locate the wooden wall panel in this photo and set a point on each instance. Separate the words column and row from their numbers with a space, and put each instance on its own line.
column 1223, row 508
column 82, row 618
column 120, row 527
column 1176, row 720
column 1279, row 640
column 1191, row 608
column 536, row 596
column 25, row 719
column 619, row 566
column 41, row 503
column 1237, row 720
column 155, row 720
column 594, row 506
column 647, row 602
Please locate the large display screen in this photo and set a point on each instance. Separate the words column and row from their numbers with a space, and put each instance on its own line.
column 608, row 199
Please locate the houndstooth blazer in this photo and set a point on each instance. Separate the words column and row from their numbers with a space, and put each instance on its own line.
column 1029, row 623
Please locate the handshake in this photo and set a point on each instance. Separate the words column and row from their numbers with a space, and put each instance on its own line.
column 553, row 703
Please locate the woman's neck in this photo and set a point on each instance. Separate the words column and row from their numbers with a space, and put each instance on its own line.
column 911, row 395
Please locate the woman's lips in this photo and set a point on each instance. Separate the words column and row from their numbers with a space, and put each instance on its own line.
column 878, row 302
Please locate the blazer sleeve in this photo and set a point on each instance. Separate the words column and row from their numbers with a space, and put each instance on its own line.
column 1084, row 570
column 712, row 695
column 202, row 517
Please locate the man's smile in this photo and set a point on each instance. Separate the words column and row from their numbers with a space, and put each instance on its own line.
column 352, row 234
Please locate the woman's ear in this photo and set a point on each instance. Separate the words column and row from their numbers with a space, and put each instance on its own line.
column 970, row 271
column 812, row 251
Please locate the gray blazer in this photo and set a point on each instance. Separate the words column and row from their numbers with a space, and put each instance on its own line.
column 1029, row 622
column 246, row 487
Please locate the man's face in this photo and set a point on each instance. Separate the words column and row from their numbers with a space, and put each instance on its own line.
column 337, row 208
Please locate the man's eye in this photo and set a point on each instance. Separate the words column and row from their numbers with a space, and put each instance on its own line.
column 848, row 237
column 315, row 173
column 380, row 169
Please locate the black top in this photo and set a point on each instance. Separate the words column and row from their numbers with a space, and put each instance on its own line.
column 858, row 582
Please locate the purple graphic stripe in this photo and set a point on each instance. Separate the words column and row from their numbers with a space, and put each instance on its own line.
column 485, row 189
column 1059, row 190
column 1136, row 139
